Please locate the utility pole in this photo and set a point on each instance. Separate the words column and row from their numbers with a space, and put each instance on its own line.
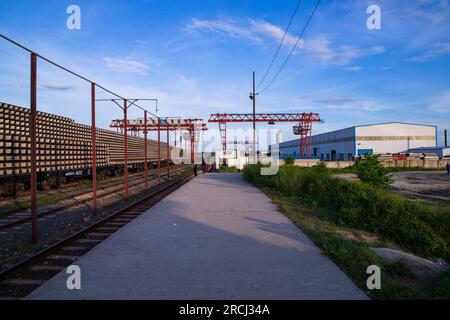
column 253, row 98
column 445, row 138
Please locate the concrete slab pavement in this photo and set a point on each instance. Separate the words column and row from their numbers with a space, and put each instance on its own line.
column 216, row 237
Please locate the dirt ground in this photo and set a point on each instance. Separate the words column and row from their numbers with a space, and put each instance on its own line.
column 432, row 186
column 426, row 185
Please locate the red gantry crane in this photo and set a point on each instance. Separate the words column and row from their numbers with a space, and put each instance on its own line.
column 193, row 126
column 303, row 129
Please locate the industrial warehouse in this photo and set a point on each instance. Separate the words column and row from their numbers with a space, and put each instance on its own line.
column 383, row 138
column 142, row 154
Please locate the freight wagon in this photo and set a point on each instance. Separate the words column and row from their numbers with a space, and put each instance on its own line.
column 64, row 150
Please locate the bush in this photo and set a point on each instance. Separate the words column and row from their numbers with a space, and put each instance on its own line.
column 227, row 169
column 251, row 171
column 289, row 180
column 418, row 227
column 289, row 161
column 370, row 170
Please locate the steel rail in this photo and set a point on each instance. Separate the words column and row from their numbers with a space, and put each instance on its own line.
column 137, row 181
column 39, row 255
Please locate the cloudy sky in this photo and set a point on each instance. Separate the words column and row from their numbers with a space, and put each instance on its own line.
column 197, row 56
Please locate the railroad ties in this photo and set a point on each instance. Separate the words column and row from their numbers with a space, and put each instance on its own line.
column 63, row 146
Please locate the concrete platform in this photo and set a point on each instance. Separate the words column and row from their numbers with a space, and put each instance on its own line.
column 216, row 237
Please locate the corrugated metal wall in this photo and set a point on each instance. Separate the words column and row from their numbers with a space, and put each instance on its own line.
column 379, row 138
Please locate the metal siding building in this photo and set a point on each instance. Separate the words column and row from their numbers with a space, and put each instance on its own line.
column 439, row 151
column 384, row 138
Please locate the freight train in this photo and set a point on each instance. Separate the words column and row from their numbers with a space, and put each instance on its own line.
column 64, row 150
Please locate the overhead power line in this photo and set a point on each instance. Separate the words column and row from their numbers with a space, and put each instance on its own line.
column 281, row 44
column 293, row 49
column 75, row 74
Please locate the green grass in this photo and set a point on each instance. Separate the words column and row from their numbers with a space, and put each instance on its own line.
column 45, row 199
column 420, row 228
column 349, row 249
column 227, row 169
column 346, row 218
column 55, row 196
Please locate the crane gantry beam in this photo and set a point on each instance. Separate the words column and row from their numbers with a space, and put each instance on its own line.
column 303, row 129
column 193, row 126
column 264, row 117
column 152, row 124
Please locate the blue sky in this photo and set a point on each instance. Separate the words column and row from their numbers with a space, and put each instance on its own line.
column 196, row 57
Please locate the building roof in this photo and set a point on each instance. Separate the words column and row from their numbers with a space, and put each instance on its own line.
column 430, row 148
column 360, row 126
column 382, row 123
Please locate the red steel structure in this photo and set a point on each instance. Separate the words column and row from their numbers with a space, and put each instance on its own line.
column 34, row 57
column 94, row 151
column 127, row 103
column 33, row 173
column 304, row 128
column 223, row 134
column 193, row 126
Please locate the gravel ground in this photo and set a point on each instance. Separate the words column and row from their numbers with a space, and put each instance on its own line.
column 67, row 191
column 15, row 242
column 431, row 186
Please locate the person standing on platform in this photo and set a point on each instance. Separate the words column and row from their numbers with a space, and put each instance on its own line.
column 203, row 163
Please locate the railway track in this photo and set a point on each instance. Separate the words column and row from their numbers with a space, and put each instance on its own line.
column 72, row 190
column 22, row 278
column 16, row 218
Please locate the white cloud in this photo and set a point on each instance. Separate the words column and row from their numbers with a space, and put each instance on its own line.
column 353, row 69
column 317, row 49
column 345, row 54
column 433, row 11
column 441, row 103
column 56, row 87
column 127, row 65
column 350, row 103
column 223, row 26
column 271, row 31
column 435, row 51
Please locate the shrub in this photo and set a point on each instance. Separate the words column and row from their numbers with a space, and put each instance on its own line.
column 418, row 227
column 227, row 169
column 289, row 161
column 289, row 179
column 370, row 170
column 251, row 171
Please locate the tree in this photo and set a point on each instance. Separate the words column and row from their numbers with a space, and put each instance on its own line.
column 370, row 170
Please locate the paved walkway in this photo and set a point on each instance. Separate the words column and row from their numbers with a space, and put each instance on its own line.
column 216, row 237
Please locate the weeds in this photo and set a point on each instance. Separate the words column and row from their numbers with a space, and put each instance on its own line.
column 420, row 228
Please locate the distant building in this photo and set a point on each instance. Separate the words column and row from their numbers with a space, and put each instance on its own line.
column 383, row 138
column 441, row 152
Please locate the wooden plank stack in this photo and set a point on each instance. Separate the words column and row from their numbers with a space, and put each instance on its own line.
column 62, row 144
